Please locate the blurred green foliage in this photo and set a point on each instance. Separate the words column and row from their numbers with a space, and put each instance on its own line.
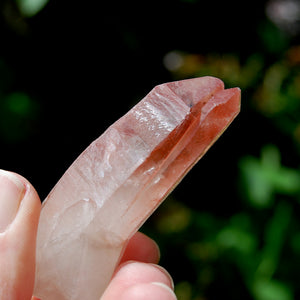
column 262, row 179
column 29, row 8
column 249, row 250
column 18, row 113
column 231, row 229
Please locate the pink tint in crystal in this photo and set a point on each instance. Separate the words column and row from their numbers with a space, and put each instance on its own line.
column 119, row 180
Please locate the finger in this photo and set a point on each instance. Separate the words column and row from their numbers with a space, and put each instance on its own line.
column 136, row 280
column 148, row 291
column 141, row 248
column 19, row 214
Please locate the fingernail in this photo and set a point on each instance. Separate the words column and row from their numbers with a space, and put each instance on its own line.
column 164, row 286
column 162, row 269
column 11, row 193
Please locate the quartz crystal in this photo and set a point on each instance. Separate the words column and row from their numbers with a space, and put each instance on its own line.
column 119, row 180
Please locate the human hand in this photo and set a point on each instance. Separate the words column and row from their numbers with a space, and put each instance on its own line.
column 137, row 277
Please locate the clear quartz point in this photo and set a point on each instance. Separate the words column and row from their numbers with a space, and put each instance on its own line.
column 120, row 179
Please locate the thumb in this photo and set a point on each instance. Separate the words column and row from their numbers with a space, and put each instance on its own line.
column 19, row 215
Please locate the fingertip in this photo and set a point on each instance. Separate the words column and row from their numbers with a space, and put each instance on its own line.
column 141, row 248
column 132, row 274
column 18, row 238
column 29, row 211
column 148, row 291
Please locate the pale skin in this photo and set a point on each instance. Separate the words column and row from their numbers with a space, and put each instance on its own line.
column 138, row 277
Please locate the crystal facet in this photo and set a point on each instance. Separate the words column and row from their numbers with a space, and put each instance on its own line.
column 119, row 180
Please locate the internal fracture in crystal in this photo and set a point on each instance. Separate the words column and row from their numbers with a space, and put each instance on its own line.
column 120, row 179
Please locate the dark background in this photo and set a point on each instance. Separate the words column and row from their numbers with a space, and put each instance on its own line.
column 86, row 64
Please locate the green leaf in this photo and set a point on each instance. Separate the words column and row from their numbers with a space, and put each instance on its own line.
column 233, row 237
column 29, row 8
column 257, row 188
column 275, row 235
column 272, row 290
column 270, row 157
column 264, row 177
